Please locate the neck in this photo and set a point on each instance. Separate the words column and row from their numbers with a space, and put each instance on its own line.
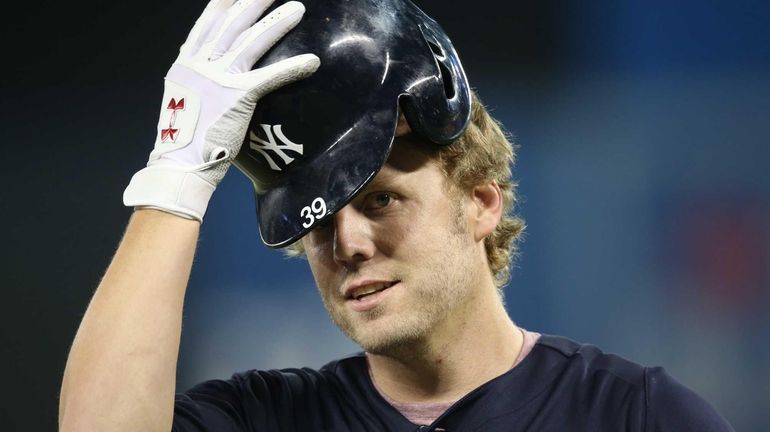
column 475, row 343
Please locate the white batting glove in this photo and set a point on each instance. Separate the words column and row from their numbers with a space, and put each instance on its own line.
column 210, row 94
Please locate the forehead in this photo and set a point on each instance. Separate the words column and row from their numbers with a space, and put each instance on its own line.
column 410, row 158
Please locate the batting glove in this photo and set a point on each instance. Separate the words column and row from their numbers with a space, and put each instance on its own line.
column 210, row 94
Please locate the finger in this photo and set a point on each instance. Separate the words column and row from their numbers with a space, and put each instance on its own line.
column 261, row 36
column 205, row 25
column 276, row 75
column 242, row 15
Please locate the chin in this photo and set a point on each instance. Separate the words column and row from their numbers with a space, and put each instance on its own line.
column 388, row 338
column 382, row 331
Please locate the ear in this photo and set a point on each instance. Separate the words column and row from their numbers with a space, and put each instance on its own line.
column 488, row 209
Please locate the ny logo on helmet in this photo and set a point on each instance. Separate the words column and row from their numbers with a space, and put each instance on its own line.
column 278, row 148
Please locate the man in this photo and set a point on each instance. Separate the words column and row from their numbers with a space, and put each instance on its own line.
column 409, row 242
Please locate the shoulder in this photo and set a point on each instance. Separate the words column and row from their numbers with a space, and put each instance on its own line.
column 590, row 361
column 261, row 397
column 673, row 406
column 661, row 402
column 267, row 382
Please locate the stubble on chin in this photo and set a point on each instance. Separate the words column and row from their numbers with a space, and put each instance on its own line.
column 403, row 334
column 375, row 332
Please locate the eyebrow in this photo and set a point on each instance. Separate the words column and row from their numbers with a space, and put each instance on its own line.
column 379, row 182
column 385, row 179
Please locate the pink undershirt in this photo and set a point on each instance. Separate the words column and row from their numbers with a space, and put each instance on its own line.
column 426, row 413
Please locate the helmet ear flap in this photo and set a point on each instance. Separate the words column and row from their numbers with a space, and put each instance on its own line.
column 440, row 116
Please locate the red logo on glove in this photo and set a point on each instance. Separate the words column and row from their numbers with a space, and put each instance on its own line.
column 169, row 134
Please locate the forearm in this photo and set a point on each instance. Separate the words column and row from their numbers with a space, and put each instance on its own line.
column 120, row 374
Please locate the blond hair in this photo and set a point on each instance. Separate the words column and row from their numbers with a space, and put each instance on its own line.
column 482, row 154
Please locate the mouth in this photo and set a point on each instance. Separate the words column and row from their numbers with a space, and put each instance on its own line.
column 367, row 296
column 363, row 291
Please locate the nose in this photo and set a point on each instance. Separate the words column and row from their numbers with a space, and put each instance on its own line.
column 353, row 242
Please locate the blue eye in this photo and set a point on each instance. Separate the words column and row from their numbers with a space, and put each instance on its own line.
column 381, row 200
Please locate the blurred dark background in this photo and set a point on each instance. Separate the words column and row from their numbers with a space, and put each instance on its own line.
column 643, row 171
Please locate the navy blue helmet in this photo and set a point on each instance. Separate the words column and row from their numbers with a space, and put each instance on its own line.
column 312, row 145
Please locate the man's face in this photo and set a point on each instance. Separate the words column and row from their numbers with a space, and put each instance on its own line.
column 396, row 261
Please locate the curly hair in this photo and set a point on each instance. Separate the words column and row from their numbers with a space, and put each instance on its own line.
column 482, row 154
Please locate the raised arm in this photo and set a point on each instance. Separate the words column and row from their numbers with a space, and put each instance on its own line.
column 121, row 370
column 120, row 374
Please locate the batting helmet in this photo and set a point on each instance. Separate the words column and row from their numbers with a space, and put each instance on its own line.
column 312, row 145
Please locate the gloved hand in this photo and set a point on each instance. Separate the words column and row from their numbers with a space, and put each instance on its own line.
column 210, row 94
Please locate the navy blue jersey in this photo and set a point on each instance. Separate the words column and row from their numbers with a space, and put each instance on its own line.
column 560, row 386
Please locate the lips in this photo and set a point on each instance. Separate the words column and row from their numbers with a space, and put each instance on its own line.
column 367, row 295
column 362, row 289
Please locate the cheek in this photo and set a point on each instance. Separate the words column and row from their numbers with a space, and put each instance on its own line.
column 320, row 262
column 411, row 238
column 317, row 249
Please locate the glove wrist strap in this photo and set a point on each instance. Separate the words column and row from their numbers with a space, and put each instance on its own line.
column 179, row 192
